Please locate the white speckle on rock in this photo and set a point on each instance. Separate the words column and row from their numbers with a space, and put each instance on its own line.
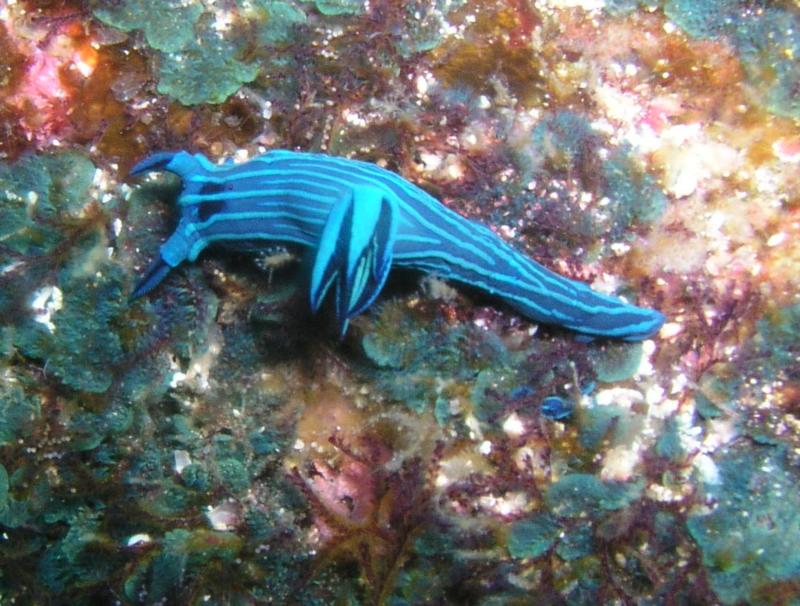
column 182, row 460
column 705, row 466
column 513, row 426
column 141, row 538
column 45, row 302
column 624, row 398
column 224, row 516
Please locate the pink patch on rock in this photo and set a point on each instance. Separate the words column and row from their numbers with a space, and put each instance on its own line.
column 348, row 492
column 787, row 149
column 40, row 96
column 659, row 112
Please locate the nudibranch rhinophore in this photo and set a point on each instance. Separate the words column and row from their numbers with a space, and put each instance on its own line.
column 360, row 220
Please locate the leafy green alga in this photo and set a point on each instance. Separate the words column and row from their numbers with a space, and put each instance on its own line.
column 584, row 495
column 207, row 70
column 168, row 25
column 533, row 536
column 339, row 7
column 279, row 23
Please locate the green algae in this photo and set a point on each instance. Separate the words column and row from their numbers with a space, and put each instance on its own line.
column 749, row 537
column 233, row 475
column 70, row 502
column 19, row 412
column 3, row 488
column 669, row 444
column 339, row 7
column 184, row 74
column 615, row 362
column 599, row 423
column 425, row 24
column 196, row 477
column 576, row 543
column 180, row 559
column 534, row 536
column 426, row 353
column 776, row 340
column 83, row 341
column 767, row 40
column 634, row 195
column 566, row 145
column 620, row 7
column 168, row 25
column 278, row 26
column 708, row 19
column 579, row 495
column 37, row 192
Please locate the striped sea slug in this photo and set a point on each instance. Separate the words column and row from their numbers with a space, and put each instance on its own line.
column 361, row 220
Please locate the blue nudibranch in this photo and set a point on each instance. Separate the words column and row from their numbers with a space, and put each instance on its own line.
column 361, row 220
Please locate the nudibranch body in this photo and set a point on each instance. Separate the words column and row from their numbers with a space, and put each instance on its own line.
column 361, row 220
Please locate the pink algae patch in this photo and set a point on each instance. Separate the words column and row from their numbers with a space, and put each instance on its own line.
column 37, row 93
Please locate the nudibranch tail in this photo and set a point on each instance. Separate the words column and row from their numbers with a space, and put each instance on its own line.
column 549, row 297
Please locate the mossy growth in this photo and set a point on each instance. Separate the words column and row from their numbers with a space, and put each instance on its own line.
column 206, row 70
column 634, row 195
column 748, row 539
column 425, row 24
column 82, row 344
column 705, row 19
column 579, row 495
column 564, row 145
column 36, row 194
column 277, row 22
column 339, row 7
column 168, row 25
column 776, row 341
column 534, row 536
column 614, row 362
column 471, row 360
column 181, row 566
column 19, row 411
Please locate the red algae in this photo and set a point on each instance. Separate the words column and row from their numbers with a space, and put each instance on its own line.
column 493, row 46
